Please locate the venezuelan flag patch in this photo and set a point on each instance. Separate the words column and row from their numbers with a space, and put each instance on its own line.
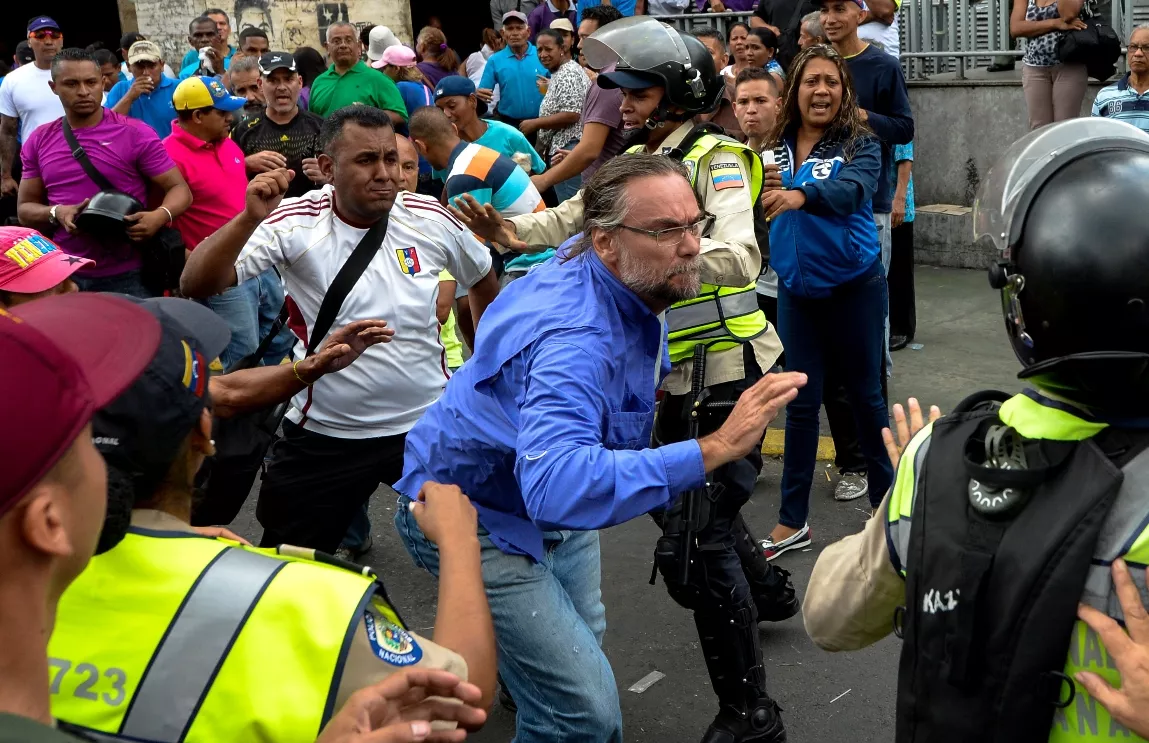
column 195, row 371
column 726, row 175
column 408, row 260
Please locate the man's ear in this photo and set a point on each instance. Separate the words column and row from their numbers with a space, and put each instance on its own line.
column 52, row 85
column 327, row 166
column 604, row 245
column 201, row 442
column 43, row 522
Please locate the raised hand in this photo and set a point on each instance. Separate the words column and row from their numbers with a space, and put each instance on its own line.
column 485, row 221
column 906, row 432
column 265, row 191
column 743, row 429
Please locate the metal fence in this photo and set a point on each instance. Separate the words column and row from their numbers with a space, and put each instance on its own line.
column 947, row 36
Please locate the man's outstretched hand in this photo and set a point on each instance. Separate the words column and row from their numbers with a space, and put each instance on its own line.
column 484, row 221
column 401, row 709
column 906, row 432
column 746, row 424
column 343, row 347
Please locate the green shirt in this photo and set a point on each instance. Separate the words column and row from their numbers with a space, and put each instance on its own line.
column 15, row 729
column 360, row 84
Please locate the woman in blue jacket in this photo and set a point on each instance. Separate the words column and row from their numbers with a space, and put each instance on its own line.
column 831, row 288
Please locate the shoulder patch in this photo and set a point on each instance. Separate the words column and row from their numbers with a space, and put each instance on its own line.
column 391, row 644
column 726, row 175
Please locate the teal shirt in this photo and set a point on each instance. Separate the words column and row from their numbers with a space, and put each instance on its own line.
column 360, row 84
column 505, row 140
column 190, row 64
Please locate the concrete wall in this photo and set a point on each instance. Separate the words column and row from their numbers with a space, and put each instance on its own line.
column 289, row 23
column 963, row 128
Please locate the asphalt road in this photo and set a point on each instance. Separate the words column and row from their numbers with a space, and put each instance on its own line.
column 825, row 697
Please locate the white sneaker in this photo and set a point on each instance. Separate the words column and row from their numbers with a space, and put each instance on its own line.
column 851, row 487
column 772, row 549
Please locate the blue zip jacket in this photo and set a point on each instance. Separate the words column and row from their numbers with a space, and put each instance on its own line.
column 832, row 238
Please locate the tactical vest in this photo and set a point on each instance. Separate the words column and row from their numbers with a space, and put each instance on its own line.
column 174, row 637
column 722, row 317
column 991, row 598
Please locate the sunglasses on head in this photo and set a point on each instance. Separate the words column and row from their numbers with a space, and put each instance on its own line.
column 46, row 33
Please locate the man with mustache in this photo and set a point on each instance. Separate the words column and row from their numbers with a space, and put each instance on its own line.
column 666, row 78
column 549, row 424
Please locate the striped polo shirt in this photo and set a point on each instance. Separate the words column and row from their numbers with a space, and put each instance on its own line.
column 1121, row 102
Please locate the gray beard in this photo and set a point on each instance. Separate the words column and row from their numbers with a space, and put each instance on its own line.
column 652, row 285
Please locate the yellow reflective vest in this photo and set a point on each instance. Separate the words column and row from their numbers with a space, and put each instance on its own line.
column 1084, row 719
column 177, row 637
column 722, row 317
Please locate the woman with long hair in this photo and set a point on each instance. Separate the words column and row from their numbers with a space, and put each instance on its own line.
column 309, row 62
column 736, row 43
column 831, row 287
column 439, row 60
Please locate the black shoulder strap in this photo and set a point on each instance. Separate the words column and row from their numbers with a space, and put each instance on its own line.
column 82, row 158
column 697, row 133
column 344, row 281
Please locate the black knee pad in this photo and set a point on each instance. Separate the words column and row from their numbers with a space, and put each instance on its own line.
column 666, row 557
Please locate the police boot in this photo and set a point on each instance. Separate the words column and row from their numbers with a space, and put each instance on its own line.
column 770, row 585
column 729, row 638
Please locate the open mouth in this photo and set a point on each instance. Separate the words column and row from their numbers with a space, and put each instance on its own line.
column 820, row 107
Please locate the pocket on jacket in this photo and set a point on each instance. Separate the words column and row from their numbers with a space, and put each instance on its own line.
column 628, row 430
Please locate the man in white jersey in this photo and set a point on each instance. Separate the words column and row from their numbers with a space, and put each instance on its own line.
column 343, row 438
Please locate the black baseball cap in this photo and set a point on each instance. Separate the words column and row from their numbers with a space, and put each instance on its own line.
column 276, row 61
column 141, row 431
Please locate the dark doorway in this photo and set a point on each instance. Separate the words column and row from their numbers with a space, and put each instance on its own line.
column 82, row 23
column 463, row 23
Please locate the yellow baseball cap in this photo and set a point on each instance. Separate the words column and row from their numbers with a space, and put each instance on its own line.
column 205, row 92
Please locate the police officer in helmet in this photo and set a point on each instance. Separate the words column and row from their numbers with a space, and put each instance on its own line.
column 1009, row 512
column 719, row 344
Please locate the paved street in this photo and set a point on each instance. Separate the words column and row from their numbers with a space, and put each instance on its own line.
column 826, row 697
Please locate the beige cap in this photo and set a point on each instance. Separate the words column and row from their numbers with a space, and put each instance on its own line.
column 145, row 51
column 562, row 24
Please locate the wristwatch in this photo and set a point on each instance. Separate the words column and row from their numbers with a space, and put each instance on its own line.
column 52, row 216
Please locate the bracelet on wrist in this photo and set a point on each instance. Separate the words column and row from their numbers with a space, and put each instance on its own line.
column 295, row 370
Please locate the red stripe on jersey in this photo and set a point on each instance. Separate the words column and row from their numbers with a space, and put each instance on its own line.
column 306, row 202
column 295, row 322
column 437, row 209
column 310, row 210
column 442, row 352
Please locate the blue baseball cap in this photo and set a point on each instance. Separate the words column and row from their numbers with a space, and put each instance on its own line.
column 42, row 21
column 205, row 92
column 459, row 85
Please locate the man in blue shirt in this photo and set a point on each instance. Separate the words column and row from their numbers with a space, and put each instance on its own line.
column 148, row 95
column 515, row 69
column 1128, row 99
column 547, row 428
column 223, row 29
column 205, row 39
column 455, row 96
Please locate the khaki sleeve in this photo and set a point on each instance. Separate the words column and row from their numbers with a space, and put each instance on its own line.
column 367, row 660
column 854, row 590
column 730, row 256
column 550, row 228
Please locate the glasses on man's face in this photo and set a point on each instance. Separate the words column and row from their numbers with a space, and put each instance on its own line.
column 45, row 33
column 672, row 237
column 1143, row 48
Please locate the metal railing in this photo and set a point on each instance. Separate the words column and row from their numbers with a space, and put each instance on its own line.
column 946, row 36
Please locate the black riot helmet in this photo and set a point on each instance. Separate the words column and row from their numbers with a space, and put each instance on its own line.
column 1068, row 207
column 646, row 53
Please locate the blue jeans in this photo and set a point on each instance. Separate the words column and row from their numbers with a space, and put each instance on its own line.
column 885, row 241
column 570, row 186
column 549, row 623
column 122, row 283
column 249, row 310
column 842, row 332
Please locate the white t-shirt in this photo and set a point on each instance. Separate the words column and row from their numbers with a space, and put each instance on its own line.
column 888, row 36
column 25, row 95
column 387, row 389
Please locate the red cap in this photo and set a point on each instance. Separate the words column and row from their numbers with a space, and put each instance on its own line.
column 64, row 357
column 31, row 263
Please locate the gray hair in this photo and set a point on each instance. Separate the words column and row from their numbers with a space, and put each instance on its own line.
column 245, row 64
column 1141, row 27
column 812, row 22
column 606, row 199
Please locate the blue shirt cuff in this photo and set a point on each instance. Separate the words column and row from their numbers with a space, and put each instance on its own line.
column 683, row 462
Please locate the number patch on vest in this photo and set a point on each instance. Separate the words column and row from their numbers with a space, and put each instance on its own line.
column 84, row 678
column 392, row 644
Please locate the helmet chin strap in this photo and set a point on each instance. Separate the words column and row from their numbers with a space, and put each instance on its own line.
column 663, row 115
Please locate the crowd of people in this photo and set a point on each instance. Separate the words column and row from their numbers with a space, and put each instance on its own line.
column 337, row 271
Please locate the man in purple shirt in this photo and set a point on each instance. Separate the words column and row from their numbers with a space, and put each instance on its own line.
column 548, row 11
column 55, row 189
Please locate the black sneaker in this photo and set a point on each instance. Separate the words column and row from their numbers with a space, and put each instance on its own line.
column 763, row 725
column 777, row 601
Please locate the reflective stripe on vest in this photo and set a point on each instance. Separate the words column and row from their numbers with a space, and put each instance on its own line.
column 721, row 316
column 1125, row 534
column 174, row 637
column 196, row 643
